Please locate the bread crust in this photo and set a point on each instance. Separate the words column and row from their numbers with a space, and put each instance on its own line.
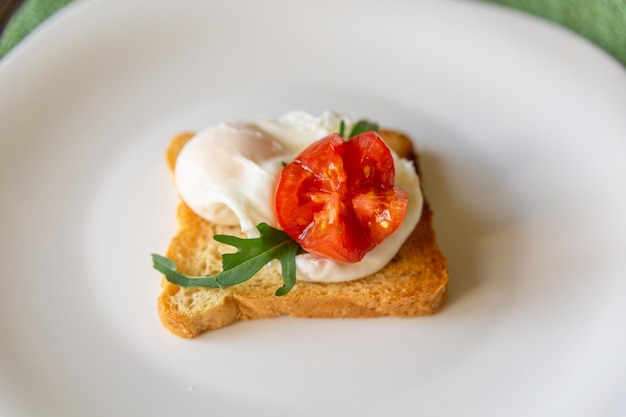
column 413, row 283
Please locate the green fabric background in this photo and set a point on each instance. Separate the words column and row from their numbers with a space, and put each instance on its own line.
column 603, row 22
column 28, row 17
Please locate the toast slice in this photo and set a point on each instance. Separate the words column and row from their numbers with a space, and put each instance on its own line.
column 414, row 283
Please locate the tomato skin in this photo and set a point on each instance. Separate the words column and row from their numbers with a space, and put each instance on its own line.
column 337, row 198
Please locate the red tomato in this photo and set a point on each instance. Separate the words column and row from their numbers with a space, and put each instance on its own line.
column 337, row 198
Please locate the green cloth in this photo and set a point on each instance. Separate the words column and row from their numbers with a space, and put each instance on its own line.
column 603, row 22
column 27, row 18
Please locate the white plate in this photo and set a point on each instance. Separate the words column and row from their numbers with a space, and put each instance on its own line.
column 523, row 133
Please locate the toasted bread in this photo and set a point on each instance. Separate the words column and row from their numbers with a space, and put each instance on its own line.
column 413, row 283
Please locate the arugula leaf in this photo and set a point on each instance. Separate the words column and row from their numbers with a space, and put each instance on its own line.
column 362, row 126
column 168, row 268
column 252, row 255
column 342, row 128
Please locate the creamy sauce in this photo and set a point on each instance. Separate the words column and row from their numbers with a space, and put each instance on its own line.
column 227, row 175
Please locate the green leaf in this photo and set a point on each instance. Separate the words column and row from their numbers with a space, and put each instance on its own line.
column 168, row 268
column 252, row 255
column 288, row 266
column 342, row 128
column 362, row 126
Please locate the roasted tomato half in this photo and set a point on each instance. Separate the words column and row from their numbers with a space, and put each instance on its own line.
column 337, row 199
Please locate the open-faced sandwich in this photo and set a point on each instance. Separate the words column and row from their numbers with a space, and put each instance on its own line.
column 301, row 215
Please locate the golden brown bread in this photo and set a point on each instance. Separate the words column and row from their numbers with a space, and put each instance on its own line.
column 414, row 283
